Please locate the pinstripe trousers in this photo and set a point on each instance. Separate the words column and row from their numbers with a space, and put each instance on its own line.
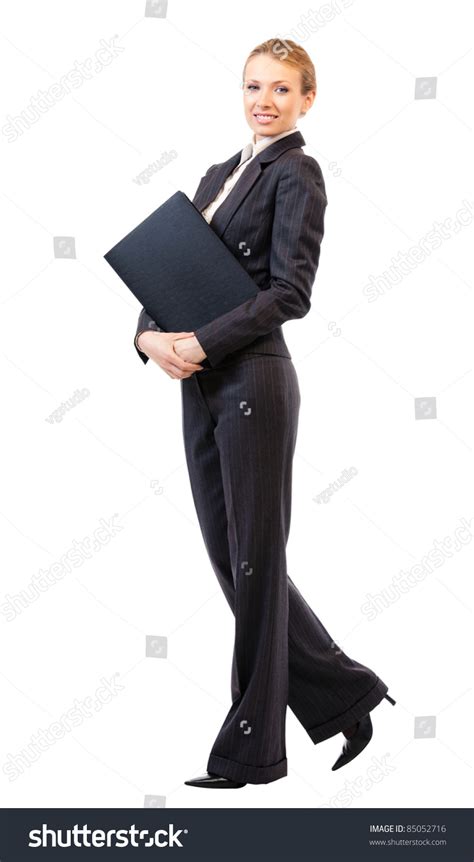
column 240, row 423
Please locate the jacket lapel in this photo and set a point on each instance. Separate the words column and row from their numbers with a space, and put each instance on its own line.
column 212, row 184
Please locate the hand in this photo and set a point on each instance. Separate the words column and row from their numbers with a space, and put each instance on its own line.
column 189, row 348
column 159, row 346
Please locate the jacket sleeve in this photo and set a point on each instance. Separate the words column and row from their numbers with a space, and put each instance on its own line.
column 144, row 322
column 298, row 229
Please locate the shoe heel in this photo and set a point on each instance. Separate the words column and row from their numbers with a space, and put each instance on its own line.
column 390, row 699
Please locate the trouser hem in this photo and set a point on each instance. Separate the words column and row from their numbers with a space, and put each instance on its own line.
column 351, row 715
column 245, row 772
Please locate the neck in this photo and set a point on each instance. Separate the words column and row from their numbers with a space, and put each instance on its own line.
column 256, row 138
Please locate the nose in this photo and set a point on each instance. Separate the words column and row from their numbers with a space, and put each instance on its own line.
column 264, row 101
column 264, row 105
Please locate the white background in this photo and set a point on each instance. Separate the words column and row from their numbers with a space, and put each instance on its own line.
column 393, row 166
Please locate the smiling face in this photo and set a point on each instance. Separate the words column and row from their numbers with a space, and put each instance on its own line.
column 273, row 101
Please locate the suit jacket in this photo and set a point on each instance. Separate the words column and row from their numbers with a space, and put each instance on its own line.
column 273, row 222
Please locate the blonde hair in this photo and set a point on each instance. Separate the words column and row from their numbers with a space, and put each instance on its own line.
column 294, row 55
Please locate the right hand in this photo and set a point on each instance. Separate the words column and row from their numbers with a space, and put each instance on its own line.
column 158, row 346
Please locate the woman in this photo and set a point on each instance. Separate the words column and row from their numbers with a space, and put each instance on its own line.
column 240, row 400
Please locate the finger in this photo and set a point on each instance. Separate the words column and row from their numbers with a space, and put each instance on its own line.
column 184, row 364
column 190, row 366
column 175, row 370
column 183, row 375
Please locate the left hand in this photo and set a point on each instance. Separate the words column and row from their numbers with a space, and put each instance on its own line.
column 189, row 349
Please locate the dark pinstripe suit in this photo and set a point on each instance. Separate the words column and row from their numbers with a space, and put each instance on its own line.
column 240, row 419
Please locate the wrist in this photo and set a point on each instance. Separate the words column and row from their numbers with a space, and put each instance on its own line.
column 140, row 342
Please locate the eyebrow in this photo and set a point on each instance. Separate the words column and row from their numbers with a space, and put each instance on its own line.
column 273, row 82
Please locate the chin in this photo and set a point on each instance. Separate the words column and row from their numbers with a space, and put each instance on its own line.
column 259, row 126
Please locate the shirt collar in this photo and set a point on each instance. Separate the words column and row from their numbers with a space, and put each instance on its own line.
column 254, row 147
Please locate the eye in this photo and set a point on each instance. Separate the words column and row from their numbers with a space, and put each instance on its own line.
column 254, row 86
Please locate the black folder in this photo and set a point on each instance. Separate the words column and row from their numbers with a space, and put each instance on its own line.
column 179, row 269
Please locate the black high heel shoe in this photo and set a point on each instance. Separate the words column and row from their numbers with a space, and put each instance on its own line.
column 359, row 740
column 210, row 779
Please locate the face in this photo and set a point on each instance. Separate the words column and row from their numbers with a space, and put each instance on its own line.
column 273, row 101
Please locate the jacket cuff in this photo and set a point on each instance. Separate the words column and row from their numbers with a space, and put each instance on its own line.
column 142, row 355
column 151, row 325
column 209, row 340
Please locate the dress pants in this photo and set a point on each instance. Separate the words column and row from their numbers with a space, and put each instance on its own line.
column 240, row 424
